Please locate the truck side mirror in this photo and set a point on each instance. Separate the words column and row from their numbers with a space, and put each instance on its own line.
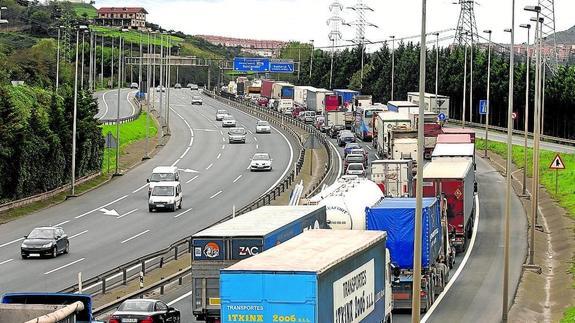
column 147, row 180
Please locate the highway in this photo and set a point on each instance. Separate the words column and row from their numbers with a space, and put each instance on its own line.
column 108, row 103
column 214, row 177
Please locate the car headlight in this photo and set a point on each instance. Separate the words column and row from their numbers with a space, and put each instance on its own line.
column 47, row 245
column 24, row 245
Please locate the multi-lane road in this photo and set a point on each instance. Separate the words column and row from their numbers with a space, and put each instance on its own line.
column 108, row 104
column 215, row 177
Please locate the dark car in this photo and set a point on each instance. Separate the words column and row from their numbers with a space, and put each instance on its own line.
column 45, row 241
column 354, row 158
column 334, row 130
column 349, row 147
column 345, row 137
column 145, row 311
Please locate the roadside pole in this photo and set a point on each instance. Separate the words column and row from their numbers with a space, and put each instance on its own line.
column 488, row 92
column 148, row 90
column 117, row 172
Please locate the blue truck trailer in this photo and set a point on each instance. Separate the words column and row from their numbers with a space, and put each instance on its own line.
column 339, row 276
column 396, row 216
column 347, row 96
column 242, row 237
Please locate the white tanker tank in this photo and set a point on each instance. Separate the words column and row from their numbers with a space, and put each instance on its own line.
column 346, row 200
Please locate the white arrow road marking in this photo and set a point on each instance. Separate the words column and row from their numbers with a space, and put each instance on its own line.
column 182, row 213
column 62, row 267
column 128, row 213
column 103, row 206
column 6, row 261
column 109, row 212
column 218, row 193
column 191, row 180
column 11, row 242
column 78, row 234
column 134, row 237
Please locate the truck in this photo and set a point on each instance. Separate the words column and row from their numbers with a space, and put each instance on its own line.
column 403, row 144
column 394, row 177
column 315, row 99
column 334, row 118
column 363, row 100
column 430, row 133
column 396, row 216
column 455, row 180
column 436, row 104
column 283, row 94
column 241, row 89
column 319, row 276
column 347, row 97
column 300, row 95
column 454, row 151
column 402, row 106
column 454, row 139
column 345, row 201
column 470, row 132
column 385, row 121
column 27, row 306
column 266, row 88
column 332, row 102
column 244, row 236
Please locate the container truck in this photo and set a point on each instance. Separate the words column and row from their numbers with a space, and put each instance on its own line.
column 430, row 133
column 300, row 95
column 266, row 88
column 241, row 89
column 345, row 201
column 242, row 237
column 455, row 180
column 403, row 144
column 468, row 131
column 347, row 97
column 394, row 177
column 334, row 118
column 316, row 100
column 319, row 276
column 437, row 105
column 396, row 216
column 363, row 100
column 402, row 106
column 332, row 102
column 454, row 151
column 384, row 123
column 283, row 94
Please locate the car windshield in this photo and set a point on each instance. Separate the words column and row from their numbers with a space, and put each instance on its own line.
column 261, row 157
column 263, row 123
column 228, row 117
column 42, row 234
column 237, row 131
column 163, row 191
column 137, row 306
column 338, row 127
column 222, row 112
column 163, row 177
column 355, row 167
column 357, row 151
column 355, row 158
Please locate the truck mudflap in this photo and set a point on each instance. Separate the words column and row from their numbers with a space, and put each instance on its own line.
column 207, row 315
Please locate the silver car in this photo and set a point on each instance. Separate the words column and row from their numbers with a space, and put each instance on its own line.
column 261, row 161
column 263, row 127
column 197, row 100
column 220, row 114
column 355, row 169
column 237, row 135
column 228, row 121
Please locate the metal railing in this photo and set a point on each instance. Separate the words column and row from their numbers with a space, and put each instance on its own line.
column 125, row 119
column 121, row 275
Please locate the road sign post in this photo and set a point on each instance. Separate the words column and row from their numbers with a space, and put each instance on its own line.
column 557, row 164
column 482, row 107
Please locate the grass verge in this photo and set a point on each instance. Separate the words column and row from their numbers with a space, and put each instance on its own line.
column 569, row 316
column 565, row 178
column 130, row 133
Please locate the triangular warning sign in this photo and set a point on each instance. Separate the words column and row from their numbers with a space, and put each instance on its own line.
column 557, row 163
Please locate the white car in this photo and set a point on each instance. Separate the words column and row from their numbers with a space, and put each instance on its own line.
column 220, row 114
column 237, row 135
column 355, row 169
column 263, row 127
column 166, row 195
column 197, row 100
column 261, row 161
column 228, row 121
column 134, row 85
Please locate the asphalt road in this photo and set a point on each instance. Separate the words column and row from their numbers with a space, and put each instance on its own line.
column 100, row 242
column 108, row 103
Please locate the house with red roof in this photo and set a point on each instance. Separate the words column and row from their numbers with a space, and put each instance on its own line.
column 122, row 17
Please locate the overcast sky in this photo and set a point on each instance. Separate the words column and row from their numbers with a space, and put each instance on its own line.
column 303, row 20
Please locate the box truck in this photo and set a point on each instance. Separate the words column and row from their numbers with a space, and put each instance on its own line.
column 239, row 238
column 300, row 95
column 266, row 88
column 385, row 122
column 319, row 276
column 394, row 177
column 402, row 106
column 437, row 105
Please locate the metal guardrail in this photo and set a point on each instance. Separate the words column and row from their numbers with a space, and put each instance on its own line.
column 125, row 119
column 562, row 141
column 121, row 275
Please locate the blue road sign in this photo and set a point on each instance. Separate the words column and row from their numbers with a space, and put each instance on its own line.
column 246, row 64
column 482, row 107
column 441, row 117
column 281, row 66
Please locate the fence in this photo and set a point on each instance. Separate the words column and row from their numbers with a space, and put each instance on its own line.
column 121, row 275
column 125, row 119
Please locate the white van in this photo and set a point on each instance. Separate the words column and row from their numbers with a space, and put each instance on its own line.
column 166, row 195
column 163, row 174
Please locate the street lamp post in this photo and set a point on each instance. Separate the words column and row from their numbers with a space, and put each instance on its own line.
column 436, row 70
column 57, row 59
column 82, row 72
column 120, row 47
column 524, row 191
column 392, row 65
column 471, row 107
column 169, row 81
column 311, row 59
column 148, row 90
column 464, row 84
column 488, row 92
column 102, row 63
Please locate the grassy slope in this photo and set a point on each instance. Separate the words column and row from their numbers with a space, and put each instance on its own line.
column 83, row 8
column 129, row 133
column 132, row 36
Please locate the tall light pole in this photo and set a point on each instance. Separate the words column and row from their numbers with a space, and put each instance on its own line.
column 488, row 92
column 91, row 72
column 58, row 59
column 311, row 58
column 102, row 63
column 464, row 84
column 436, row 70
column 161, row 74
column 416, row 300
column 120, row 47
column 508, row 171
column 331, row 64
column 75, row 114
column 112, row 69
column 82, row 73
column 392, row 65
column 148, row 90
column 524, row 191
column 471, row 107
column 169, row 77
column 362, row 62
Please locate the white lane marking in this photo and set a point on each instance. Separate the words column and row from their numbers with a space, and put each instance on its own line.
column 223, row 139
column 126, row 214
column 191, row 180
column 62, row 267
column 191, row 135
column 219, row 155
column 101, row 207
column 223, row 147
column 210, row 166
column 221, row 133
column 218, row 193
column 61, row 223
column 460, row 269
column 339, row 159
column 368, row 147
column 182, row 213
column 131, row 104
column 257, row 147
column 255, row 138
column 105, row 104
column 11, row 242
column 185, row 152
column 6, row 261
column 180, row 298
column 77, row 234
column 176, row 162
column 134, row 237
column 238, row 178
column 141, row 188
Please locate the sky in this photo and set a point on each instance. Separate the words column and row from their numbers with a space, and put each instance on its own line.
column 303, row 20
